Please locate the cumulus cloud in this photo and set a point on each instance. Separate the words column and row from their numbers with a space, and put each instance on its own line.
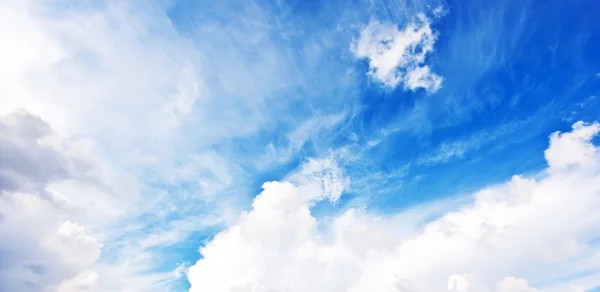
column 38, row 172
column 528, row 230
column 46, row 252
column 572, row 148
column 58, row 198
column 113, row 87
column 26, row 163
column 398, row 56
column 95, row 81
column 59, row 202
column 121, row 77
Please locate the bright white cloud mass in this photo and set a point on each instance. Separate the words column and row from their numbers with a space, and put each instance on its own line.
column 295, row 146
column 535, row 227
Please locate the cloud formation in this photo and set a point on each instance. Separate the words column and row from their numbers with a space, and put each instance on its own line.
column 59, row 203
column 36, row 179
column 147, row 125
column 119, row 129
column 398, row 56
column 507, row 237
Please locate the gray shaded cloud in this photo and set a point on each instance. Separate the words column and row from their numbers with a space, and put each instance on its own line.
column 37, row 251
column 25, row 163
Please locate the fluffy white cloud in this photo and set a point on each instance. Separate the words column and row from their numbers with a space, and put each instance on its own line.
column 572, row 148
column 59, row 203
column 109, row 88
column 50, row 190
column 532, row 228
column 398, row 55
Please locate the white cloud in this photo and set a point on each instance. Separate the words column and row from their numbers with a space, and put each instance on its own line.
column 468, row 283
column 63, row 62
column 81, row 246
column 573, row 148
column 513, row 284
column 461, row 283
column 81, row 283
column 398, row 56
column 51, row 190
column 309, row 130
column 119, row 81
column 316, row 124
column 59, row 203
column 421, row 77
column 528, row 230
column 267, row 228
column 459, row 148
column 108, row 90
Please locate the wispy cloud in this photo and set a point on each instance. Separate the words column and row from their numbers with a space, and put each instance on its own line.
column 135, row 114
column 451, row 149
column 131, row 134
column 311, row 130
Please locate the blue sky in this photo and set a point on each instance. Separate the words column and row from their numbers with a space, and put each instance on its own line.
column 240, row 145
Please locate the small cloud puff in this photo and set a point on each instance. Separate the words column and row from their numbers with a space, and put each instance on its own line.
column 397, row 56
column 573, row 148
